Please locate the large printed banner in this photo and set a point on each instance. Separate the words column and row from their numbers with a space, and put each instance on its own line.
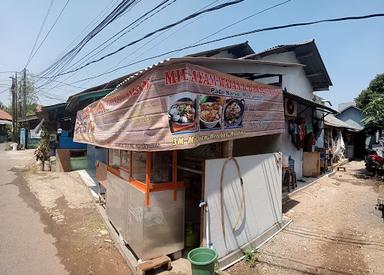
column 181, row 106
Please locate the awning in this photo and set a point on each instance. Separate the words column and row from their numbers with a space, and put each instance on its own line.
column 5, row 122
column 180, row 106
column 317, row 106
column 332, row 121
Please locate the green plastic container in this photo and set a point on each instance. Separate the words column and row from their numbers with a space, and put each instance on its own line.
column 203, row 260
column 78, row 163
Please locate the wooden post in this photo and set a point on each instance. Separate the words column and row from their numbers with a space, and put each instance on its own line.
column 203, row 241
column 148, row 177
column 174, row 174
column 228, row 148
column 130, row 165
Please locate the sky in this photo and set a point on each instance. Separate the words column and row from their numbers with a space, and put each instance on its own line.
column 353, row 52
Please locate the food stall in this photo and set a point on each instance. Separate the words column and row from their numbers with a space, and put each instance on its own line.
column 169, row 129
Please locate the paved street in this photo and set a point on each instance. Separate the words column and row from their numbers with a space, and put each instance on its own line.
column 49, row 224
column 25, row 247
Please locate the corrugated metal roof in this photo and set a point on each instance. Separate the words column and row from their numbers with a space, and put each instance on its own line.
column 5, row 122
column 333, row 121
column 239, row 50
column 307, row 102
column 5, row 116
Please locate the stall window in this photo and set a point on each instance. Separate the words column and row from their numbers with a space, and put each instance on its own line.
column 139, row 165
column 114, row 157
column 161, row 167
column 125, row 159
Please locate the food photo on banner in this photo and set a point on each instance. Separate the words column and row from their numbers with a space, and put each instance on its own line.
column 180, row 106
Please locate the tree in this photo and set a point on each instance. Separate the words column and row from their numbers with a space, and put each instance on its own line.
column 373, row 113
column 376, row 86
column 3, row 107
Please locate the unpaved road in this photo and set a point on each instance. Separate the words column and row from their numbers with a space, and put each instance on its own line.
column 335, row 230
column 49, row 224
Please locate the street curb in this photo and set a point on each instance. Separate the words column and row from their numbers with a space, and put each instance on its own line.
column 119, row 243
column 129, row 258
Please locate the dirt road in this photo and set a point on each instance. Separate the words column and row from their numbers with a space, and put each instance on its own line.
column 54, row 227
column 335, row 230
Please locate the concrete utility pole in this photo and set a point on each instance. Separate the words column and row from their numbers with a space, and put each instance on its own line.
column 14, row 108
column 24, row 112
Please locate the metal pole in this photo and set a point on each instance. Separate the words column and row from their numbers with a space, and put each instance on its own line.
column 24, row 111
column 14, row 108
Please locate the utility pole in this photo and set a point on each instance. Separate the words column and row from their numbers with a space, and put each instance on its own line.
column 24, row 112
column 14, row 108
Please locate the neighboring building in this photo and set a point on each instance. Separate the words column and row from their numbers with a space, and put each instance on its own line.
column 5, row 119
column 353, row 116
column 309, row 75
column 345, row 105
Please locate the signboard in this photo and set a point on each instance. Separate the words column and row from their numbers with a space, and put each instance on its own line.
column 181, row 106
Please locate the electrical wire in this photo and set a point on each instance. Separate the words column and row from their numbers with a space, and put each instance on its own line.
column 65, row 64
column 90, row 25
column 189, row 17
column 111, row 17
column 122, row 7
column 154, row 38
column 242, row 20
column 38, row 35
column 349, row 18
column 57, row 81
column 49, row 31
column 123, row 32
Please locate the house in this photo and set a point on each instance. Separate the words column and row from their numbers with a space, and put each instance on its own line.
column 342, row 139
column 302, row 111
column 5, row 119
column 353, row 116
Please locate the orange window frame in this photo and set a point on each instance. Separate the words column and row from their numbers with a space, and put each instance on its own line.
column 147, row 187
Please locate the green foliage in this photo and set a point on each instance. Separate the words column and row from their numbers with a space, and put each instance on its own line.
column 376, row 86
column 9, row 132
column 250, row 258
column 373, row 113
column 42, row 150
column 3, row 107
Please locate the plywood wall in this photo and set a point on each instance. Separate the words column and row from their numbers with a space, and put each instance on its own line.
column 263, row 199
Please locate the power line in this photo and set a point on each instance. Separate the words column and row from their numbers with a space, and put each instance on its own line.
column 38, row 34
column 49, row 31
column 7, row 72
column 350, row 18
column 243, row 19
column 90, row 25
column 57, row 81
column 188, row 23
column 123, row 32
column 123, row 6
column 189, row 17
column 112, row 16
column 71, row 58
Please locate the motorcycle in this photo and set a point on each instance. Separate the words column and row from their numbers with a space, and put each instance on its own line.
column 374, row 163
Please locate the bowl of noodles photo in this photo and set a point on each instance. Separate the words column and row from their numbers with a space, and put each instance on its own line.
column 210, row 112
column 233, row 113
column 182, row 114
